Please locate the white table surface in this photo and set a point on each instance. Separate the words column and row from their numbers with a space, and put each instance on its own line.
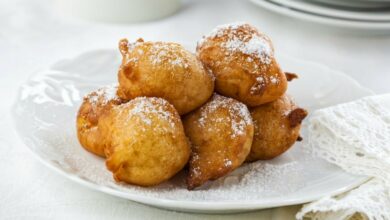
column 33, row 35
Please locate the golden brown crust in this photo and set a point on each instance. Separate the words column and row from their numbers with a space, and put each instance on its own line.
column 296, row 116
column 166, row 70
column 242, row 60
column 277, row 126
column 290, row 76
column 221, row 134
column 93, row 107
column 146, row 142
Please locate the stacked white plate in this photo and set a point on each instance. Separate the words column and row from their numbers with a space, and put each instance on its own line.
column 362, row 14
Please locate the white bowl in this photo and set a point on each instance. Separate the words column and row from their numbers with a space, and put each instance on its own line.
column 119, row 10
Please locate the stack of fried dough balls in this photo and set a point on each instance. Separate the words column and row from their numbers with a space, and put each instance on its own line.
column 166, row 113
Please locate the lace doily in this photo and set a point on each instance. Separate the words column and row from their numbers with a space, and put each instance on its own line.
column 356, row 137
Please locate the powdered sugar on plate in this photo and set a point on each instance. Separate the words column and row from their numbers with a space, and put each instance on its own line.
column 254, row 181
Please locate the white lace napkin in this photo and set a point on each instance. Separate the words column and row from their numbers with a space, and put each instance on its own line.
column 356, row 137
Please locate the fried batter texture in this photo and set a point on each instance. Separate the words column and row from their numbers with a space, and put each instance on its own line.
column 94, row 105
column 221, row 134
column 166, row 70
column 146, row 142
column 277, row 127
column 242, row 60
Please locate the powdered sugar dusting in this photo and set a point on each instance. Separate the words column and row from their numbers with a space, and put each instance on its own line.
column 163, row 52
column 53, row 137
column 239, row 114
column 274, row 80
column 158, row 53
column 260, row 79
column 133, row 45
column 227, row 162
column 261, row 82
column 210, row 73
column 219, row 30
column 258, row 85
column 147, row 107
column 256, row 46
column 103, row 95
column 243, row 38
column 250, row 182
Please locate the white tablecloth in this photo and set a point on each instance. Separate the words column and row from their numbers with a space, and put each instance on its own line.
column 33, row 35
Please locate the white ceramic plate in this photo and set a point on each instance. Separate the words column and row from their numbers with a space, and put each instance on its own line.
column 355, row 4
column 44, row 116
column 369, row 27
column 341, row 13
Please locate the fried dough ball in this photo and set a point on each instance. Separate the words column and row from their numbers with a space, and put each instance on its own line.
column 242, row 60
column 147, row 144
column 166, row 70
column 94, row 105
column 277, row 126
column 221, row 134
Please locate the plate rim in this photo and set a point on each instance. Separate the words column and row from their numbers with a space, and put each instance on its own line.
column 187, row 206
column 360, row 5
column 314, row 18
column 335, row 12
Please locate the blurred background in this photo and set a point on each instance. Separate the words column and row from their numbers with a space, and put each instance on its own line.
column 36, row 33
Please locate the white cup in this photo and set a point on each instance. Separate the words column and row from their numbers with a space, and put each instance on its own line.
column 119, row 10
